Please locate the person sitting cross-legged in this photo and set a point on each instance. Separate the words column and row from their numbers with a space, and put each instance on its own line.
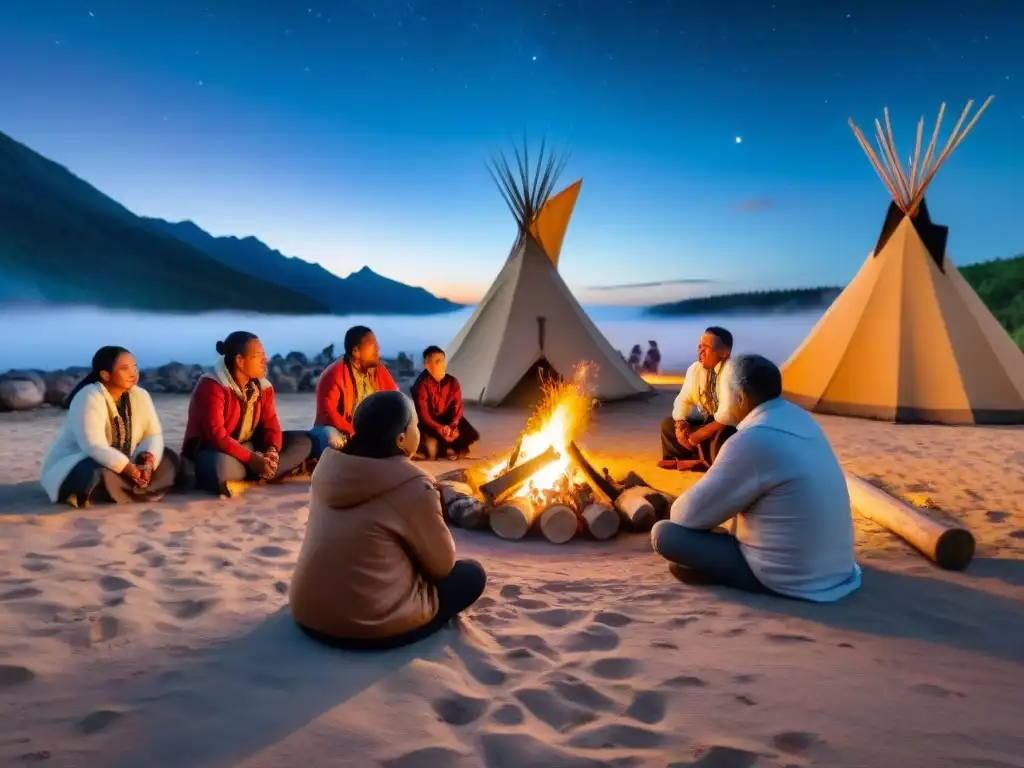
column 377, row 567
column 111, row 446
column 779, row 483
column 691, row 437
column 444, row 429
column 233, row 436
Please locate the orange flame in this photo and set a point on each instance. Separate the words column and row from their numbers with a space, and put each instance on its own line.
column 562, row 416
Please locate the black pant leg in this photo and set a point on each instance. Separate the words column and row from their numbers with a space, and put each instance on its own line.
column 81, row 481
column 214, row 469
column 296, row 447
column 670, row 447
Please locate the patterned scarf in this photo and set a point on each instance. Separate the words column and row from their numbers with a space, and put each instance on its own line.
column 121, row 425
column 365, row 385
column 709, row 394
column 247, row 425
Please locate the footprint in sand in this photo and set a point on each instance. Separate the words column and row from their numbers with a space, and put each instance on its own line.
column 508, row 714
column 582, row 694
column 97, row 721
column 149, row 519
column 555, row 617
column 530, row 604
column 11, row 675
column 680, row 621
column 552, row 710
column 83, row 541
column 270, row 550
column 684, row 681
column 534, row 643
column 35, row 562
column 1019, row 534
column 596, row 637
column 787, row 639
column 720, row 757
column 20, row 593
column 435, row 757
column 666, row 645
column 515, row 750
column 742, row 698
column 612, row 619
column 794, row 742
column 996, row 516
column 620, row 668
column 617, row 736
column 227, row 545
column 110, row 583
column 156, row 560
column 459, row 709
column 745, row 679
column 510, row 591
column 188, row 609
column 647, row 707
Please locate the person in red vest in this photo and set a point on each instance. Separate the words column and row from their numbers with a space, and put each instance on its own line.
column 343, row 385
column 437, row 394
column 233, row 435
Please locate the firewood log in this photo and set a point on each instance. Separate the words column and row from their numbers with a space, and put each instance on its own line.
column 467, row 512
column 636, row 511
column 455, row 475
column 513, row 518
column 496, row 490
column 949, row 546
column 558, row 523
column 451, row 490
column 601, row 520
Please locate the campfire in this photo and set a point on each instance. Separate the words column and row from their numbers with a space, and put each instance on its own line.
column 546, row 485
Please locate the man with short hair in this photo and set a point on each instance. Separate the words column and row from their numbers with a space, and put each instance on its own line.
column 780, row 484
column 444, row 430
column 344, row 384
column 691, row 438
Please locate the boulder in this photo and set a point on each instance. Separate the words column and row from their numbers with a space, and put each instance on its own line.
column 404, row 366
column 297, row 358
column 285, row 383
column 21, row 394
column 177, row 377
column 58, row 387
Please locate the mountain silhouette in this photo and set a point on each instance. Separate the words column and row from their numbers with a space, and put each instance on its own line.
column 62, row 241
column 362, row 292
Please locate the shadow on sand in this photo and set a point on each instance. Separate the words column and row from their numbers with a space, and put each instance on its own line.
column 251, row 692
column 937, row 610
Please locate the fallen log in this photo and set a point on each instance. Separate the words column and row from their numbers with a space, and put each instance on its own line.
column 558, row 523
column 503, row 486
column 467, row 512
column 455, row 476
column 451, row 490
column 949, row 546
column 660, row 500
column 601, row 520
column 513, row 518
column 636, row 511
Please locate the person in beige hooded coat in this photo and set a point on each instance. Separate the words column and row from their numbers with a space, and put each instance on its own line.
column 377, row 567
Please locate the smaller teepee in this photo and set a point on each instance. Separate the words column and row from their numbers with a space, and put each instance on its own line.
column 909, row 340
column 529, row 324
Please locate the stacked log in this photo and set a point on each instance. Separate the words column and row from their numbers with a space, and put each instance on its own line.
column 513, row 518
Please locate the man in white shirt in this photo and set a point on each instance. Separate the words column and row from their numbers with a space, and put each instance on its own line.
column 780, row 484
column 691, row 438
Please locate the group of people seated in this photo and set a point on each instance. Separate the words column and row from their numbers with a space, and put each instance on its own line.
column 378, row 568
column 645, row 363
column 111, row 446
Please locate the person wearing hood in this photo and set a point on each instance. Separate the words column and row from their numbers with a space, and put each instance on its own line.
column 111, row 446
column 233, row 436
column 779, row 483
column 344, row 384
column 377, row 567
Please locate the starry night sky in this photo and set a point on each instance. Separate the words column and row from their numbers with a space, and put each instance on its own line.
column 355, row 132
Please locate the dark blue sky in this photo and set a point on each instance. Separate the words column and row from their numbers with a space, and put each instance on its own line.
column 356, row 132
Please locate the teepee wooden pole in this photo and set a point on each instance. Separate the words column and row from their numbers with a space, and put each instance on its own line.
column 873, row 159
column 895, row 154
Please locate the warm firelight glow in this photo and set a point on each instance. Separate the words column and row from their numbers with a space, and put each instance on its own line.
column 562, row 416
column 664, row 379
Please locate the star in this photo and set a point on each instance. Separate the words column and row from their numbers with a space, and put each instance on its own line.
column 534, row 58
column 93, row 15
column 739, row 139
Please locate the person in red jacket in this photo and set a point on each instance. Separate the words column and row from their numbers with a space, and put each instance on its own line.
column 233, row 435
column 343, row 385
column 444, row 431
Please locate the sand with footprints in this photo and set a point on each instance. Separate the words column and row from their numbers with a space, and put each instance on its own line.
column 159, row 635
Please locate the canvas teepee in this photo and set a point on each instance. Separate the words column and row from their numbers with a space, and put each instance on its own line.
column 909, row 340
column 529, row 324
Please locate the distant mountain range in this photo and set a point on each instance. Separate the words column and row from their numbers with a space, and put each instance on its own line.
column 62, row 241
column 362, row 292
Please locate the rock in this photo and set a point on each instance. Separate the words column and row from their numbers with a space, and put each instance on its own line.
column 297, row 358
column 177, row 377
column 404, row 366
column 285, row 383
column 21, row 395
column 58, row 387
column 326, row 356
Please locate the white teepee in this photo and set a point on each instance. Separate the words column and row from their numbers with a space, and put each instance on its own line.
column 909, row 340
column 529, row 323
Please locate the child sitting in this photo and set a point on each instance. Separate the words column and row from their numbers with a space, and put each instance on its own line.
column 444, row 430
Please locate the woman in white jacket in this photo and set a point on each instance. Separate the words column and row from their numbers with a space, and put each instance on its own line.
column 111, row 447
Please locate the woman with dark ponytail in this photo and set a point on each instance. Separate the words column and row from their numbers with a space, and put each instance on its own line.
column 111, row 447
column 233, row 436
column 377, row 568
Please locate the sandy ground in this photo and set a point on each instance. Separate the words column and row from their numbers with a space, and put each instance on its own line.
column 159, row 635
